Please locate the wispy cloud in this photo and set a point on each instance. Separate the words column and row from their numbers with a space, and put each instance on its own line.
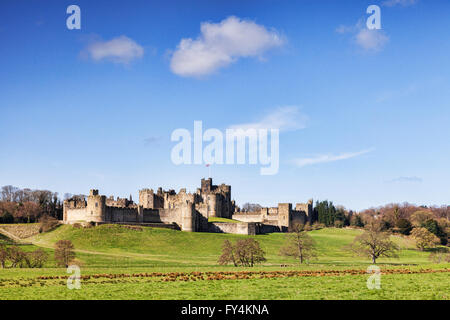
column 301, row 162
column 118, row 50
column 368, row 40
column 152, row 140
column 403, row 3
column 287, row 118
column 407, row 179
column 221, row 44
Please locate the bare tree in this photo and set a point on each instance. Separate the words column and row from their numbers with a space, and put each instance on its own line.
column 36, row 259
column 246, row 252
column 228, row 254
column 249, row 252
column 374, row 243
column 64, row 252
column 299, row 244
column 28, row 211
column 9, row 193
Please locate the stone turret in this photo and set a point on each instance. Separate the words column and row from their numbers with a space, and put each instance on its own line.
column 149, row 200
column 206, row 185
column 96, row 207
column 188, row 216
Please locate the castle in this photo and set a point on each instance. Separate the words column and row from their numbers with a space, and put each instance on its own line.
column 185, row 211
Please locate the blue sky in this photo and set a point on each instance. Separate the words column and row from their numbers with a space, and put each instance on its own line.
column 95, row 108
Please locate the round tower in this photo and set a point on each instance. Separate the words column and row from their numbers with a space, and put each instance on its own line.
column 188, row 217
column 96, row 207
column 212, row 201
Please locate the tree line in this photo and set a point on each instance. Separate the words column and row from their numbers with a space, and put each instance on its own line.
column 27, row 205
column 395, row 218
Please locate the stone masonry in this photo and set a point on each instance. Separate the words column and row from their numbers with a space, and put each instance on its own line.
column 187, row 211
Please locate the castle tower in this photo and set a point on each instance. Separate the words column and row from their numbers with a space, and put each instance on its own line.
column 96, row 207
column 188, row 218
column 212, row 201
column 146, row 198
column 284, row 215
column 149, row 200
column 206, row 185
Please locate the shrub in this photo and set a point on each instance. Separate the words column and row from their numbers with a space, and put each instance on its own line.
column 16, row 256
column 3, row 255
column 36, row 259
column 338, row 224
column 317, row 226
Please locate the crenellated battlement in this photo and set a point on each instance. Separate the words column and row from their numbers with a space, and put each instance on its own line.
column 189, row 211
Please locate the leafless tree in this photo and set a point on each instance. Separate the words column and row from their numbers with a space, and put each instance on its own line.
column 299, row 244
column 374, row 243
column 246, row 252
column 64, row 252
column 228, row 254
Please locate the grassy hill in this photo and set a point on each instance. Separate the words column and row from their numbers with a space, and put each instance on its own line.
column 109, row 250
column 176, row 248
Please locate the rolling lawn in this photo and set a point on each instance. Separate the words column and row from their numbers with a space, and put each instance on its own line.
column 109, row 250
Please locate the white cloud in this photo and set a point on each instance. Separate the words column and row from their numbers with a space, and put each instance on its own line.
column 288, row 118
column 403, row 3
column 369, row 40
column 221, row 44
column 119, row 50
column 301, row 162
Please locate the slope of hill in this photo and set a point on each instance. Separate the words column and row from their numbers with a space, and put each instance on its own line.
column 117, row 257
column 202, row 249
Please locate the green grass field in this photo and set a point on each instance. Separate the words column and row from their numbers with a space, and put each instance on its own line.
column 112, row 249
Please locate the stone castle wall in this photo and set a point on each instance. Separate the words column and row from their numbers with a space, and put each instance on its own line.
column 236, row 228
column 189, row 211
column 278, row 218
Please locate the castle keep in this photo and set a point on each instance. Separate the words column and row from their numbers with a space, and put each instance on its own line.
column 185, row 211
